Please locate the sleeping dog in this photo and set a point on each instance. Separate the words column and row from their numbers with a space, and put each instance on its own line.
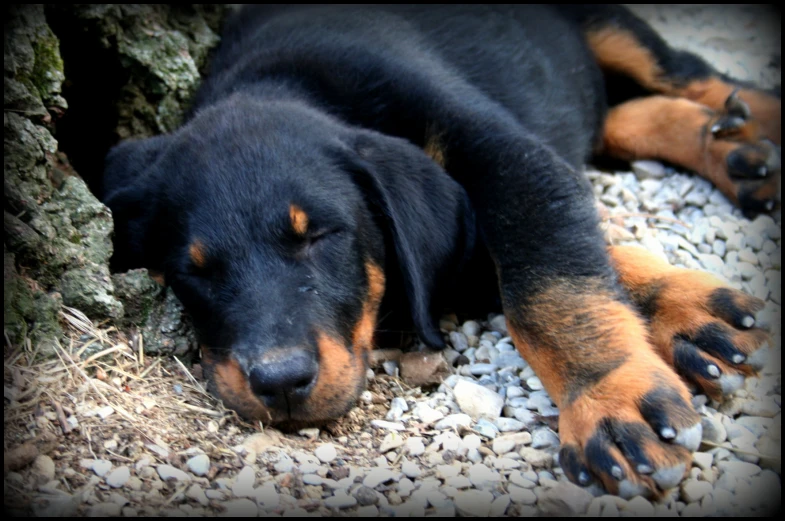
column 340, row 162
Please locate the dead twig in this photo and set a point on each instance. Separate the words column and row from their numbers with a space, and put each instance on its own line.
column 61, row 419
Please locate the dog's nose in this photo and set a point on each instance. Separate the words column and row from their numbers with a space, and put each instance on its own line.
column 284, row 378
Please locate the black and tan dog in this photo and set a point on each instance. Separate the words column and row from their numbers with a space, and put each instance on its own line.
column 340, row 160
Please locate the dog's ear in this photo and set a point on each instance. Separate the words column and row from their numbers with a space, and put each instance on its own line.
column 129, row 190
column 427, row 215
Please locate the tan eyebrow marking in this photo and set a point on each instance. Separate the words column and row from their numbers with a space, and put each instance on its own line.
column 299, row 219
column 197, row 254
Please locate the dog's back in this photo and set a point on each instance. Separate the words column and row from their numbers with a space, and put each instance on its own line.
column 530, row 60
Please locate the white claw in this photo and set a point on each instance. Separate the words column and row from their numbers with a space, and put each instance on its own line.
column 748, row 321
column 737, row 359
column 763, row 171
column 645, row 469
column 668, row 433
column 616, row 472
column 769, row 206
column 713, row 371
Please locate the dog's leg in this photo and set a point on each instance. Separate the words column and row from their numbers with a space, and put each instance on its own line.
column 625, row 416
column 719, row 145
column 699, row 326
column 626, row 46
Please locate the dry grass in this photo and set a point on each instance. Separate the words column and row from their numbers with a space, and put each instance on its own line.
column 100, row 397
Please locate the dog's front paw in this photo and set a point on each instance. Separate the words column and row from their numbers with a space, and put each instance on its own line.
column 706, row 331
column 633, row 433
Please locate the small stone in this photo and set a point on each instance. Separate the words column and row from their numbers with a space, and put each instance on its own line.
column 167, row 472
column 284, row 465
column 326, row 453
column 500, row 505
column 384, row 425
column 199, row 465
column 478, row 401
column 445, row 472
column 472, row 441
column 405, row 487
column 482, row 369
column 521, row 496
column 390, row 367
column 713, row 430
column 240, row 508
column 536, row 458
column 486, row 428
column 390, row 442
column 459, row 341
column 703, row 460
column 646, row 169
column 747, row 255
column 43, row 469
column 365, row 496
column 101, row 467
column 544, row 439
column 340, row 500
column 520, row 480
column 459, row 482
column 414, row 446
column 310, row 433
column 471, row 328
column 118, row 477
column 196, row 493
column 766, row 408
column 693, row 490
column 712, row 262
column 244, row 482
column 565, row 499
column 499, row 325
column 411, row 470
column 267, row 497
column 473, row 503
column 506, row 464
column 426, row 414
column 534, row 384
column 719, row 248
column 377, row 477
column 313, row 480
column 217, row 495
column 739, row 469
column 503, row 445
column 481, row 476
column 398, row 406
column 640, row 507
column 454, row 422
column 509, row 425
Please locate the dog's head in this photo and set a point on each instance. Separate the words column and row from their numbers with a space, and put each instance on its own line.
column 275, row 226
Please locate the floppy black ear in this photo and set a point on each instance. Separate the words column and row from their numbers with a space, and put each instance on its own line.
column 428, row 215
column 129, row 191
